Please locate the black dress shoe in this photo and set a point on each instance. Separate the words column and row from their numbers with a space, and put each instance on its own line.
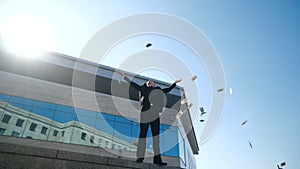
column 160, row 163
column 139, row 160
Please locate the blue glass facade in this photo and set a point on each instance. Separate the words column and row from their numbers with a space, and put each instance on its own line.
column 54, row 122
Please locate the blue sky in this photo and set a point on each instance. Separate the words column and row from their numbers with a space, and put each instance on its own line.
column 258, row 44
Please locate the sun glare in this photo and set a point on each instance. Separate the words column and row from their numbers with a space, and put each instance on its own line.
column 27, row 37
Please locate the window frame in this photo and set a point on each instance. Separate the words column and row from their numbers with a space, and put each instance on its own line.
column 44, row 130
column 33, row 127
column 6, row 118
column 20, row 121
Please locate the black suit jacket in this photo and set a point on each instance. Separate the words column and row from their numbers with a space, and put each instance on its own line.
column 153, row 96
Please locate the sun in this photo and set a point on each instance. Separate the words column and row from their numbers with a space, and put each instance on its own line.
column 27, row 37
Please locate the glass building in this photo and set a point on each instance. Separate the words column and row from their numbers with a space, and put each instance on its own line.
column 59, row 98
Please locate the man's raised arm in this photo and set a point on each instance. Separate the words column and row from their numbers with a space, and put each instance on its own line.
column 166, row 90
column 131, row 83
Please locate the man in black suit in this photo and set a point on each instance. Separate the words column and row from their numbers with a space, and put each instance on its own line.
column 153, row 103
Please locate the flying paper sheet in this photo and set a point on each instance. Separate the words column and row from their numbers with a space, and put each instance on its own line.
column 190, row 105
column 220, row 90
column 250, row 144
column 244, row 122
column 202, row 111
column 179, row 114
column 194, row 78
column 183, row 101
column 282, row 164
column 148, row 45
column 230, row 91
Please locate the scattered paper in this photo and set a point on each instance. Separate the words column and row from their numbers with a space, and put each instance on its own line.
column 250, row 144
column 282, row 164
column 190, row 105
column 202, row 112
column 148, row 45
column 183, row 101
column 220, row 90
column 244, row 122
column 179, row 114
column 230, row 91
column 194, row 78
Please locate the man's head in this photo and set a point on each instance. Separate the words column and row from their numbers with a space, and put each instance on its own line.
column 150, row 83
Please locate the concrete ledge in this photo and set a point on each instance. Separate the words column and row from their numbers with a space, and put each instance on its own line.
column 65, row 155
column 26, row 150
column 15, row 155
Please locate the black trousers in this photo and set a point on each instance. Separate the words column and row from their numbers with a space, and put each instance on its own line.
column 155, row 128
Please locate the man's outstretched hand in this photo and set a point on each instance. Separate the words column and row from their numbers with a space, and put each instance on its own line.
column 177, row 81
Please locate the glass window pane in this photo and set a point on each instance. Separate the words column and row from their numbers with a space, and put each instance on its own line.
column 104, row 131
column 20, row 100
column 110, row 131
column 90, row 121
column 45, row 105
column 106, row 126
column 43, row 112
column 123, row 120
column 122, row 131
column 182, row 148
column 106, row 116
column 22, row 106
column 87, row 113
column 173, row 129
column 4, row 97
column 135, row 130
column 63, row 117
column 172, row 152
column 170, row 146
column 66, row 109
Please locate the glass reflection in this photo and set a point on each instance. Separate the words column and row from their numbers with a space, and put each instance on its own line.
column 21, row 117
